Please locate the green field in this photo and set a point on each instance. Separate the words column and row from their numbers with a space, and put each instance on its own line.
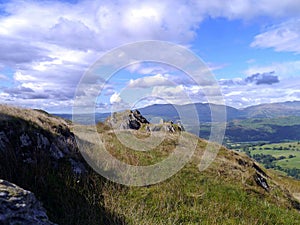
column 285, row 163
column 284, row 157
column 276, row 150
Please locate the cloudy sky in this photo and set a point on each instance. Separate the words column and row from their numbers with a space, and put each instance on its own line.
column 251, row 46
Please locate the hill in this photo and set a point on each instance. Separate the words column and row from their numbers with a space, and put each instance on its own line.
column 271, row 110
column 273, row 130
column 38, row 152
column 170, row 112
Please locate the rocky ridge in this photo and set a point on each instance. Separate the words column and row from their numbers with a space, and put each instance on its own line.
column 38, row 152
column 133, row 119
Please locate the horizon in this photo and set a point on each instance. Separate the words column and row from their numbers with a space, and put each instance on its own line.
column 204, row 103
column 251, row 48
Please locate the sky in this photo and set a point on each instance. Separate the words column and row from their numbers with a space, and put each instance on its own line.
column 251, row 47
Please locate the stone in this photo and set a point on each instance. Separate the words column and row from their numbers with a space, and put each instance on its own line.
column 3, row 140
column 19, row 206
column 25, row 140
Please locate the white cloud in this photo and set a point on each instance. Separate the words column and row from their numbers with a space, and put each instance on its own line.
column 3, row 77
column 150, row 81
column 115, row 98
column 50, row 44
column 283, row 37
column 286, row 90
column 239, row 93
column 247, row 9
column 177, row 95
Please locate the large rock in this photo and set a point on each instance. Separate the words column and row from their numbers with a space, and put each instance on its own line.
column 19, row 206
column 135, row 120
column 127, row 120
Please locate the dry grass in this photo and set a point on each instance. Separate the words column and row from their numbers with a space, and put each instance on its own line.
column 37, row 117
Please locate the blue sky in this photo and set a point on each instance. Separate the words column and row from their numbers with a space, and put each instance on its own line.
column 252, row 47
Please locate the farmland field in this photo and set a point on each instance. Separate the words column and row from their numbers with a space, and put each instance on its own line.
column 283, row 156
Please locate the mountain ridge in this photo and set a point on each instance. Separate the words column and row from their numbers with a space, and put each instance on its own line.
column 169, row 112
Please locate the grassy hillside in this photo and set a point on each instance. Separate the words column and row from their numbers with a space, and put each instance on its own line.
column 230, row 191
column 225, row 193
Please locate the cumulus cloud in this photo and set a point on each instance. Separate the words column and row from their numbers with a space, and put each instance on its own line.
column 148, row 68
column 243, row 92
column 263, row 78
column 235, row 95
column 50, row 44
column 177, row 95
column 115, row 98
column 150, row 81
column 286, row 90
column 257, row 78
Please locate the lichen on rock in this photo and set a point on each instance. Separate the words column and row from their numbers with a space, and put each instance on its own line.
column 19, row 206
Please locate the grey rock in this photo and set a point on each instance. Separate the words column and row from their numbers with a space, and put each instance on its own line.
column 56, row 152
column 78, row 167
column 3, row 140
column 25, row 140
column 42, row 141
column 19, row 206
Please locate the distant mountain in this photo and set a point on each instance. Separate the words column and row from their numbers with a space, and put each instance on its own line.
column 170, row 111
column 272, row 110
column 272, row 122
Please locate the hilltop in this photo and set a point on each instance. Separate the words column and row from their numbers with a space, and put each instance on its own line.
column 38, row 152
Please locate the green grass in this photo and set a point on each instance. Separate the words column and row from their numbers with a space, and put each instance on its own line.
column 194, row 198
column 224, row 193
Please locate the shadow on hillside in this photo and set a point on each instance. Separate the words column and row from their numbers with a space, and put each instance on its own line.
column 68, row 198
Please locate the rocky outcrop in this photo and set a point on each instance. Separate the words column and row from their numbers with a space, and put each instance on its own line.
column 37, row 152
column 134, row 120
column 19, row 206
column 38, row 133
column 127, row 120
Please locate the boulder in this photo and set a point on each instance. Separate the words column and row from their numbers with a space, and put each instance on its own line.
column 19, row 206
column 127, row 120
